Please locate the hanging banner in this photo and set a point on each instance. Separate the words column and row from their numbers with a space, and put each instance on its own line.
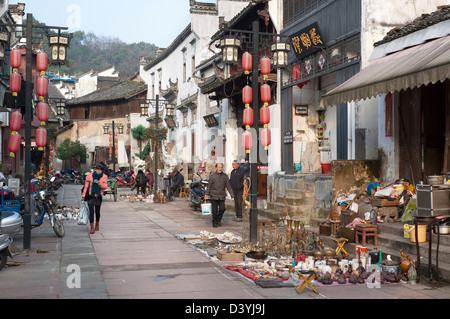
column 307, row 41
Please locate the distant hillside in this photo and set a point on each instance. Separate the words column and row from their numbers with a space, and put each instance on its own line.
column 90, row 52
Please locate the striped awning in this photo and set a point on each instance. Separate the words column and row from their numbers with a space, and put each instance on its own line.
column 407, row 69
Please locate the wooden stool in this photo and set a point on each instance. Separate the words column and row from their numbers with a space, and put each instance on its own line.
column 335, row 226
column 183, row 192
column 312, row 274
column 267, row 225
column 340, row 245
column 366, row 230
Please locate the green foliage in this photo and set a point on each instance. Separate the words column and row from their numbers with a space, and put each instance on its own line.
column 88, row 51
column 147, row 149
column 69, row 150
column 139, row 133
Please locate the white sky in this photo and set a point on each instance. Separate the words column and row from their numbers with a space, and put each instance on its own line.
column 153, row 21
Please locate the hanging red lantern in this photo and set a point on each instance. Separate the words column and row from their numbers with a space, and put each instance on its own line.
column 41, row 138
column 247, row 141
column 266, row 95
column 117, row 153
column 42, row 63
column 265, row 67
column 110, row 145
column 15, row 122
column 15, row 83
column 50, row 153
column 247, row 62
column 266, row 138
column 42, row 112
column 15, row 59
column 248, row 117
column 264, row 115
column 14, row 144
column 110, row 134
column 110, row 151
column 42, row 88
column 247, row 95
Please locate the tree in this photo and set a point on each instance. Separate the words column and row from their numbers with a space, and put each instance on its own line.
column 139, row 133
column 68, row 151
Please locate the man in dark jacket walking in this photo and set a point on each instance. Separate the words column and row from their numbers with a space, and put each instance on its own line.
column 216, row 192
column 237, row 177
column 141, row 182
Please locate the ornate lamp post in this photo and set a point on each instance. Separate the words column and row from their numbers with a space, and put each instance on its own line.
column 250, row 62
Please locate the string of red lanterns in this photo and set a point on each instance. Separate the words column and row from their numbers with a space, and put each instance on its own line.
column 15, row 122
column 42, row 108
column 15, row 119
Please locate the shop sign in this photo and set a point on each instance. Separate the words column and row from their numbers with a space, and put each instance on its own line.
column 307, row 41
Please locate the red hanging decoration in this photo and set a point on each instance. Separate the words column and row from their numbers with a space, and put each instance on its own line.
column 247, row 62
column 15, row 83
column 110, row 134
column 42, row 63
column 266, row 95
column 117, row 153
column 265, row 67
column 110, row 145
column 247, row 141
column 266, row 138
column 264, row 115
column 15, row 59
column 248, row 117
column 42, row 112
column 14, row 144
column 42, row 88
column 110, row 151
column 247, row 95
column 41, row 138
column 15, row 121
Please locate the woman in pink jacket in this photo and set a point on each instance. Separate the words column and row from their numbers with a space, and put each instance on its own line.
column 96, row 182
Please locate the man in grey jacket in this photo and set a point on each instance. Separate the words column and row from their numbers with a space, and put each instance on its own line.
column 216, row 192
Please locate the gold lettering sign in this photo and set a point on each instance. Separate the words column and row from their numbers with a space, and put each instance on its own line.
column 307, row 41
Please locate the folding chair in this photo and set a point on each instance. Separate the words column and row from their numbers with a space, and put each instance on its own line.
column 340, row 245
column 311, row 275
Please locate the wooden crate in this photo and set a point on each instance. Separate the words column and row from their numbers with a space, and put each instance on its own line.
column 325, row 229
column 384, row 201
column 230, row 256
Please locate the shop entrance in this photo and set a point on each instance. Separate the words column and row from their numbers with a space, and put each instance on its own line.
column 423, row 126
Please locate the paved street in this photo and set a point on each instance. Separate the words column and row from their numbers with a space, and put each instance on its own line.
column 137, row 255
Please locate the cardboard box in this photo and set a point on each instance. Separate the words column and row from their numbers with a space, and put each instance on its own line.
column 230, row 256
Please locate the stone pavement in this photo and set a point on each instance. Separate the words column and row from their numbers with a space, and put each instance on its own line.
column 136, row 254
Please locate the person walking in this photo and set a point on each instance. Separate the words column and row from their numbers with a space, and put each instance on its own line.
column 216, row 192
column 95, row 184
column 237, row 177
column 141, row 182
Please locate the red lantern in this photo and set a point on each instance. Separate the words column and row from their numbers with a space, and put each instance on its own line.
column 264, row 114
column 248, row 117
column 42, row 88
column 15, row 121
column 110, row 134
column 15, row 83
column 42, row 112
column 265, row 67
column 42, row 63
column 266, row 138
column 247, row 141
column 247, row 95
column 247, row 62
column 110, row 151
column 50, row 153
column 265, row 94
column 14, row 144
column 110, row 145
column 117, row 153
column 15, row 59
column 41, row 138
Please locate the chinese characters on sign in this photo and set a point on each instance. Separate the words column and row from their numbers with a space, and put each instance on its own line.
column 307, row 41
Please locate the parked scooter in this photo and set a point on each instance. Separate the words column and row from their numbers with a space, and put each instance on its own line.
column 10, row 223
column 197, row 190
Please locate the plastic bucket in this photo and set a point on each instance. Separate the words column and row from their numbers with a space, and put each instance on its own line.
column 206, row 209
column 326, row 168
column 421, row 233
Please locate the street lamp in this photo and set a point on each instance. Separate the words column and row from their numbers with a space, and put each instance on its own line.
column 30, row 29
column 144, row 109
column 59, row 44
column 229, row 46
column 170, row 116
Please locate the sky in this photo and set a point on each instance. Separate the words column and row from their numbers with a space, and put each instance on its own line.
column 153, row 21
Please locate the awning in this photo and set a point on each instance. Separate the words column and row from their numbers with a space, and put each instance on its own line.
column 412, row 67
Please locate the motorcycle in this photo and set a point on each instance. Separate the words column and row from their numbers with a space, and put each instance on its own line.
column 128, row 180
column 197, row 191
column 10, row 223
